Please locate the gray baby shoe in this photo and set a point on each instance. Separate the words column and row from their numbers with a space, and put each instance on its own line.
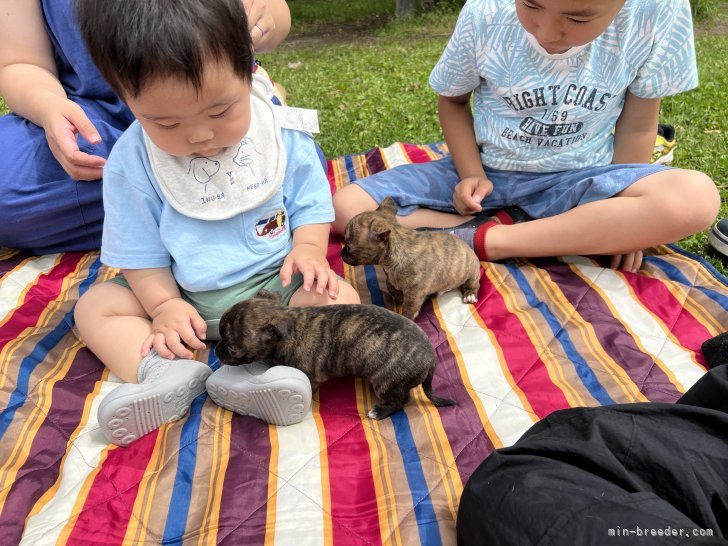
column 280, row 395
column 132, row 410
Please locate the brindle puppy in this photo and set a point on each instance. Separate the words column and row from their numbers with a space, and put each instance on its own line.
column 417, row 263
column 366, row 341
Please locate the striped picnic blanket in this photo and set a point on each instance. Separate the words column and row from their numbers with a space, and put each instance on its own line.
column 545, row 335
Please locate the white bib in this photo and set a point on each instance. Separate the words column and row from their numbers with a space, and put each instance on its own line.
column 236, row 179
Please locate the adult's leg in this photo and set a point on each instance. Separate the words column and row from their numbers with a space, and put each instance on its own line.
column 44, row 209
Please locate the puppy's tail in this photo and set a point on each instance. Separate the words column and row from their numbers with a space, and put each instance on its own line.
column 427, row 387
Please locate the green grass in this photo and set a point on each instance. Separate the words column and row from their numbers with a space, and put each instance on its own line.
column 701, row 120
column 369, row 93
column 336, row 11
column 704, row 9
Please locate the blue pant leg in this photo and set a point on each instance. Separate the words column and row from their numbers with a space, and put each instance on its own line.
column 430, row 185
column 44, row 209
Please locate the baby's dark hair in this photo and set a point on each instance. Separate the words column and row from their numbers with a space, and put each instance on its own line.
column 134, row 42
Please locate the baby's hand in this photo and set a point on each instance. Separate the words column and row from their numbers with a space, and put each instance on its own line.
column 62, row 121
column 174, row 322
column 310, row 261
column 469, row 193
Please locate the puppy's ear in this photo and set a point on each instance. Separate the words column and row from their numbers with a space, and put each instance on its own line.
column 388, row 206
column 281, row 328
column 273, row 296
column 379, row 231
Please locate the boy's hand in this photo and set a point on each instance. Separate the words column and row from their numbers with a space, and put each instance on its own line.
column 469, row 193
column 628, row 262
column 310, row 261
column 175, row 323
column 62, row 121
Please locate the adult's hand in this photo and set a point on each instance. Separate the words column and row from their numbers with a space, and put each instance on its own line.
column 62, row 121
column 269, row 22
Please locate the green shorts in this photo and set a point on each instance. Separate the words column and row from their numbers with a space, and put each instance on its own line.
column 213, row 303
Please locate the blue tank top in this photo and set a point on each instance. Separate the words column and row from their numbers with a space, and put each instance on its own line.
column 76, row 71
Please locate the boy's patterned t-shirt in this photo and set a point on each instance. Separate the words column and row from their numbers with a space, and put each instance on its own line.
column 547, row 113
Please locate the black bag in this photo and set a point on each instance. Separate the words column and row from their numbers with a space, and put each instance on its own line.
column 647, row 473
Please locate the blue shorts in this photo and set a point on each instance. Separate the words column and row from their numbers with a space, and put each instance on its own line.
column 431, row 185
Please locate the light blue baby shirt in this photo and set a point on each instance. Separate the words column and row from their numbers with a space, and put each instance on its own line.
column 142, row 230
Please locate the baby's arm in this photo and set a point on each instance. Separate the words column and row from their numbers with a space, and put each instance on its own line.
column 456, row 119
column 634, row 133
column 308, row 257
column 30, row 86
column 173, row 320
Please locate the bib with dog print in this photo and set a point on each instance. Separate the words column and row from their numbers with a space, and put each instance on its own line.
column 235, row 180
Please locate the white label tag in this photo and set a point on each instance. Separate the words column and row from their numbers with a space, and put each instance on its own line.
column 300, row 119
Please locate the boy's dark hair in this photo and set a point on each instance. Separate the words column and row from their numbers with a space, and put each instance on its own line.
column 134, row 42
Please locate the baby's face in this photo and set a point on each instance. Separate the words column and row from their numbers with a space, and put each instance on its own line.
column 559, row 25
column 182, row 121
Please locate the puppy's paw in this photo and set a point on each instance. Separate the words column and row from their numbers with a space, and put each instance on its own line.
column 373, row 414
column 382, row 411
column 470, row 298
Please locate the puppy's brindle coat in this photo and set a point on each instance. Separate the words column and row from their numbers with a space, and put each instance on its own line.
column 417, row 263
column 361, row 340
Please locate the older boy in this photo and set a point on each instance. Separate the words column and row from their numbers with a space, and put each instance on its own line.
column 566, row 96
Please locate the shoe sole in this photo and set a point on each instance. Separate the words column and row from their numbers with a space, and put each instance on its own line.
column 125, row 417
column 284, row 401
column 718, row 242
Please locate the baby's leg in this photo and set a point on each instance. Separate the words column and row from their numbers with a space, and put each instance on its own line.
column 303, row 298
column 113, row 324
column 660, row 208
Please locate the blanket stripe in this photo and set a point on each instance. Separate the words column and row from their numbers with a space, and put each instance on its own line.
column 535, row 372
column 354, row 512
column 545, row 335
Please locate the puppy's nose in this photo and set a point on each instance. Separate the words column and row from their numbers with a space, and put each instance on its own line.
column 347, row 257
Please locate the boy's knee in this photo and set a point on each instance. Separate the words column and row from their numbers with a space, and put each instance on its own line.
column 348, row 202
column 702, row 199
column 690, row 198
